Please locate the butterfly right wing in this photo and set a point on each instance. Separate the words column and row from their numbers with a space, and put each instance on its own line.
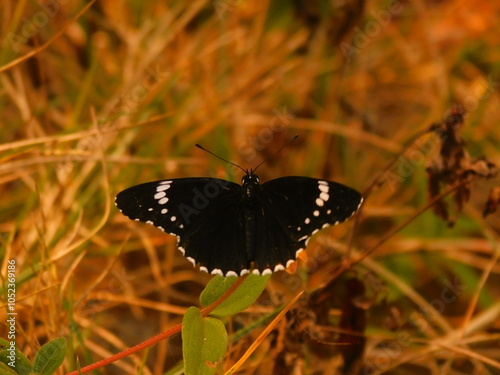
column 204, row 214
column 296, row 208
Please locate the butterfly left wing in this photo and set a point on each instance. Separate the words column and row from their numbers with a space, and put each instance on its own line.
column 203, row 213
column 296, row 208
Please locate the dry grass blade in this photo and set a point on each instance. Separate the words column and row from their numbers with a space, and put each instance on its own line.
column 263, row 335
column 100, row 96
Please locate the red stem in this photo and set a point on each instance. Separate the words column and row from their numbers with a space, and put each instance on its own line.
column 153, row 340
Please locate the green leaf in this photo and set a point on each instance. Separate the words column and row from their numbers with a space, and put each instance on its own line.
column 7, row 370
column 50, row 357
column 22, row 365
column 204, row 343
column 244, row 296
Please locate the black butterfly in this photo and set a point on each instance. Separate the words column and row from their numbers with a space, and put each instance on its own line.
column 225, row 227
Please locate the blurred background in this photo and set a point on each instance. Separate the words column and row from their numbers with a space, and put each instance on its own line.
column 99, row 96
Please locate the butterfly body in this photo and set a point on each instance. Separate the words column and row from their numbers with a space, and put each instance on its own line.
column 232, row 229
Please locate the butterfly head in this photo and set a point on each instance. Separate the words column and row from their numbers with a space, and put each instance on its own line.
column 250, row 178
column 250, row 182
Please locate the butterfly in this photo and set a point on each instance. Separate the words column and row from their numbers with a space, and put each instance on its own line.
column 231, row 229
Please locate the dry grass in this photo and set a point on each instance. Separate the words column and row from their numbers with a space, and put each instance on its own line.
column 124, row 93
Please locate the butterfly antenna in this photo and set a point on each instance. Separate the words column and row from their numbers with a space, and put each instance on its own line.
column 218, row 157
column 277, row 152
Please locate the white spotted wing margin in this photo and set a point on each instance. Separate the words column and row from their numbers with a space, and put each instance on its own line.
column 205, row 214
column 295, row 208
column 230, row 229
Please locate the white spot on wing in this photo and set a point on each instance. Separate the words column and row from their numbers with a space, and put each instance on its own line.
column 291, row 261
column 324, row 188
column 204, row 269
column 307, row 220
column 324, row 196
column 231, row 273
column 320, row 202
column 244, row 272
column 164, row 211
column 297, row 253
column 316, row 213
column 181, row 249
column 173, row 218
column 278, row 267
column 256, row 272
column 217, row 271
column 163, row 200
column 160, row 195
column 267, row 271
column 162, row 187
column 193, row 262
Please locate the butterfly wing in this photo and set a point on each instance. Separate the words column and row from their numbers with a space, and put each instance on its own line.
column 216, row 227
column 205, row 215
column 294, row 209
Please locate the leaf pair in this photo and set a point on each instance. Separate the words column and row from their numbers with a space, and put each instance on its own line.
column 46, row 362
column 204, row 338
